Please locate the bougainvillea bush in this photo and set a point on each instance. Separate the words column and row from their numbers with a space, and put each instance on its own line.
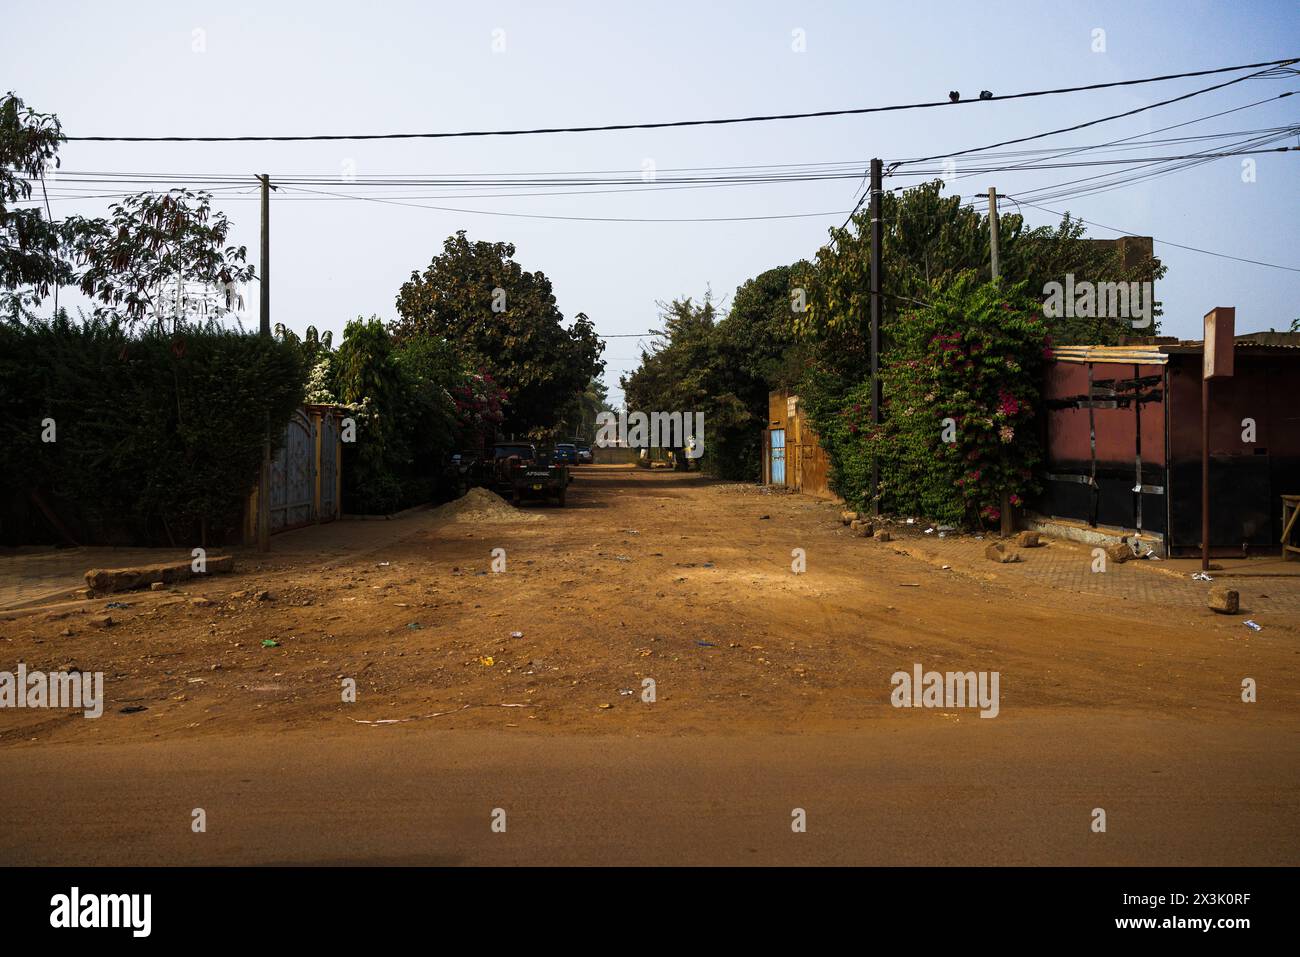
column 960, row 387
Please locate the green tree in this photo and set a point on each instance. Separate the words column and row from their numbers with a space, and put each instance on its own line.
column 960, row 396
column 579, row 416
column 928, row 240
column 674, row 374
column 32, row 256
column 150, row 241
column 415, row 402
column 505, row 320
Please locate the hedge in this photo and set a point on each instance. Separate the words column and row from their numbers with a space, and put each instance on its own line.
column 157, row 437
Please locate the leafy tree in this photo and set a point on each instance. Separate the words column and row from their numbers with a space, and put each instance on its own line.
column 674, row 373
column 931, row 245
column 505, row 320
column 959, row 400
column 151, row 240
column 724, row 368
column 31, row 246
column 928, row 240
column 368, row 378
column 579, row 416
column 414, row 402
column 757, row 352
column 313, row 344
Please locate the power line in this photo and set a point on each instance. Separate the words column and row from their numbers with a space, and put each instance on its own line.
column 584, row 219
column 1080, row 126
column 767, row 118
column 1163, row 242
column 1144, row 136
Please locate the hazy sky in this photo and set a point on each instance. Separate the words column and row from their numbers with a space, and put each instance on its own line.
column 133, row 69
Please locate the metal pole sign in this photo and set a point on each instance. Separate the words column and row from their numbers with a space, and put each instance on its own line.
column 1216, row 363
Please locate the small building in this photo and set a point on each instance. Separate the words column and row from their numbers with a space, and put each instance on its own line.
column 792, row 456
column 1123, row 442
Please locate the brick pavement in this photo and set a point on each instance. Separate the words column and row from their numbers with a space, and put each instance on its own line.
column 1066, row 566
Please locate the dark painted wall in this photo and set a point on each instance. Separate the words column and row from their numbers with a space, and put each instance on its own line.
column 1113, row 502
column 1246, row 479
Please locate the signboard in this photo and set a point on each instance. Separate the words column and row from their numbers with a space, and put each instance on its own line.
column 1220, row 323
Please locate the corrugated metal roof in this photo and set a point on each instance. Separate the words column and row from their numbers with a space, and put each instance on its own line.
column 1272, row 340
column 1157, row 353
column 1122, row 355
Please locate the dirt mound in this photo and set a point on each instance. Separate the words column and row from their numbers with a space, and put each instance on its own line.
column 480, row 505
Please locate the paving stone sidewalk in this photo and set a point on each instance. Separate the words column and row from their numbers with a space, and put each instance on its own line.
column 1067, row 566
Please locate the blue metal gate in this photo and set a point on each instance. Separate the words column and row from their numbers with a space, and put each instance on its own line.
column 778, row 456
column 293, row 475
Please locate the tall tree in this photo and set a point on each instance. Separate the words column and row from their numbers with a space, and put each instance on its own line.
column 140, row 261
column 928, row 240
column 505, row 318
column 31, row 244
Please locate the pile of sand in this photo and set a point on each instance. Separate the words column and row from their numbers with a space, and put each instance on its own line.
column 481, row 506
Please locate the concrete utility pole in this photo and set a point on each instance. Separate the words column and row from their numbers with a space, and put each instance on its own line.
column 876, row 171
column 264, row 485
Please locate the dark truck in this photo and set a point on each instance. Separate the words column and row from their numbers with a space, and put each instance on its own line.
column 515, row 466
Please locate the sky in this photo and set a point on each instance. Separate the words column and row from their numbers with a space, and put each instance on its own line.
column 176, row 68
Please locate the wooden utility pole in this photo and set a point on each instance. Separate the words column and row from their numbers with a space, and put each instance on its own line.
column 265, row 265
column 993, row 230
column 264, row 485
column 876, row 171
column 1008, row 526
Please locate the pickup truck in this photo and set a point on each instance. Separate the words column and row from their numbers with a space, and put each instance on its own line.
column 515, row 467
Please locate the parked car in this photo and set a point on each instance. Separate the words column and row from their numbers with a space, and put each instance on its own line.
column 584, row 455
column 517, row 467
column 566, row 453
column 463, row 471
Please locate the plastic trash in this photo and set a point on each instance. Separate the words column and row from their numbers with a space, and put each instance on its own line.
column 1253, row 625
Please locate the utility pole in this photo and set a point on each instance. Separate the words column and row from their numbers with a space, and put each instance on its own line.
column 265, row 265
column 264, row 485
column 993, row 229
column 876, row 170
column 1008, row 526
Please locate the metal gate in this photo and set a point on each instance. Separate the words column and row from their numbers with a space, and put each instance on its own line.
column 778, row 456
column 329, row 427
column 293, row 475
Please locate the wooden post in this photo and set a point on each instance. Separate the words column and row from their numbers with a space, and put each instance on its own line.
column 264, row 493
column 877, row 169
column 1216, row 361
column 993, row 231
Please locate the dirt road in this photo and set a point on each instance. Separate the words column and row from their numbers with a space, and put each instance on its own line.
column 771, row 692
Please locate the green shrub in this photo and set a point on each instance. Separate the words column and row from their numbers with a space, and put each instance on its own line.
column 973, row 355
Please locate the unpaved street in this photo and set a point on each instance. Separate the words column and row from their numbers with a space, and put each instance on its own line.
column 772, row 692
